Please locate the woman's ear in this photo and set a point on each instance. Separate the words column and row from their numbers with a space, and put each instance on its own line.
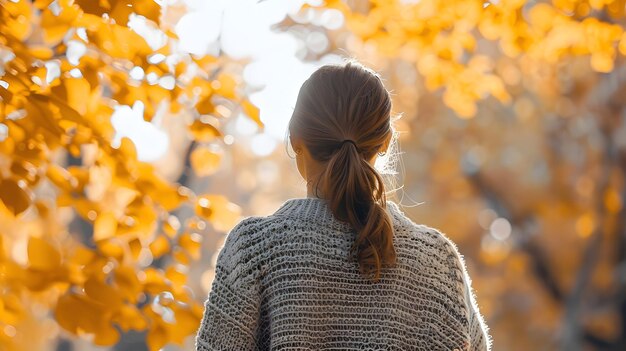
column 296, row 144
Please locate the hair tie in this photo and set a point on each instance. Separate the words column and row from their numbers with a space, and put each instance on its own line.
column 350, row 141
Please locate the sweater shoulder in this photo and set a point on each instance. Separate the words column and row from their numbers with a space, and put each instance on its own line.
column 254, row 234
column 432, row 238
column 405, row 224
column 249, row 232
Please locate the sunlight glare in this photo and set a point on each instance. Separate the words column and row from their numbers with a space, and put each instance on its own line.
column 151, row 142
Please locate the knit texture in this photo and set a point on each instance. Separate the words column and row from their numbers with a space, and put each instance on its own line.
column 286, row 282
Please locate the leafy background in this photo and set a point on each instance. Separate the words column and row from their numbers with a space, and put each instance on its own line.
column 512, row 142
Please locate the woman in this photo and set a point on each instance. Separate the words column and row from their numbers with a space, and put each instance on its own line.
column 343, row 268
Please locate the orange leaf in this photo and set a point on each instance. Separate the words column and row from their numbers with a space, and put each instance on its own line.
column 14, row 196
column 204, row 161
column 129, row 317
column 56, row 27
column 106, row 334
column 42, row 255
column 60, row 177
column 111, row 248
column 160, row 246
column 203, row 132
column 150, row 9
column 135, row 247
column 17, row 20
column 205, row 106
column 157, row 337
column 186, row 323
column 153, row 281
column 103, row 293
column 87, row 320
column 128, row 283
column 177, row 277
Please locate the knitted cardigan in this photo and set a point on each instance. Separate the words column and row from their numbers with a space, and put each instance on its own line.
column 285, row 282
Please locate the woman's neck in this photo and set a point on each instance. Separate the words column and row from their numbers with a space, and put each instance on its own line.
column 310, row 192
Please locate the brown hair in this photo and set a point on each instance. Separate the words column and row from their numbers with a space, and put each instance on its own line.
column 343, row 116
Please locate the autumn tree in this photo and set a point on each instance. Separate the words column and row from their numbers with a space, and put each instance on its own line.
column 91, row 238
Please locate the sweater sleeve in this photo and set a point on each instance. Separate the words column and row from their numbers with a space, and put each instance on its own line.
column 231, row 311
column 479, row 331
column 480, row 340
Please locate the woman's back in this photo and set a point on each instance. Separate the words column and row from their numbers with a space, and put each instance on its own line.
column 287, row 281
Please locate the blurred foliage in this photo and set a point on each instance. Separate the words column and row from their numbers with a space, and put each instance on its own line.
column 89, row 235
column 443, row 38
column 514, row 138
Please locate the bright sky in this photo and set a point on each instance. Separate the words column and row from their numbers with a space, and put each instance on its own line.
column 242, row 28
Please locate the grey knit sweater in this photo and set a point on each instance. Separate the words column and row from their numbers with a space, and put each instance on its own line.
column 285, row 282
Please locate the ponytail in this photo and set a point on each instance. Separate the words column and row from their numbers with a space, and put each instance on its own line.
column 355, row 193
column 343, row 117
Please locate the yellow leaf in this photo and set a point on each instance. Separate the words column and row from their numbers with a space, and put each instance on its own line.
column 252, row 112
column 222, row 213
column 17, row 21
column 41, row 52
column 181, row 256
column 102, row 293
column 129, row 317
column 156, row 337
column 225, row 85
column 171, row 226
column 42, row 255
column 129, row 286
column 160, row 246
column 111, row 248
column 169, row 196
column 191, row 243
column 78, row 91
column 203, row 132
column 176, row 276
column 186, row 323
column 11, row 308
column 106, row 334
column 119, row 41
column 105, row 226
column 204, row 161
column 153, row 281
column 55, row 27
column 87, row 320
column 61, row 177
column 204, row 207
column 135, row 247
